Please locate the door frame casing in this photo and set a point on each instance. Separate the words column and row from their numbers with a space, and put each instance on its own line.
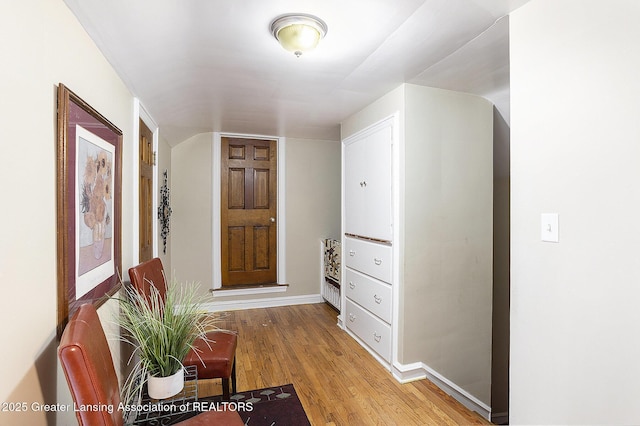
column 216, row 215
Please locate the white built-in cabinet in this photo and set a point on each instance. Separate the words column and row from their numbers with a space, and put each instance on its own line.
column 417, row 237
column 368, row 238
column 367, row 183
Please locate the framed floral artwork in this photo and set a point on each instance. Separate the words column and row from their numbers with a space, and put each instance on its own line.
column 89, row 206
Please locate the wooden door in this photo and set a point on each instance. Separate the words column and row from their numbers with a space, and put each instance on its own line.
column 248, row 211
column 146, row 193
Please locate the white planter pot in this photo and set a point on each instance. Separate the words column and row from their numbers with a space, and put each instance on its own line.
column 165, row 387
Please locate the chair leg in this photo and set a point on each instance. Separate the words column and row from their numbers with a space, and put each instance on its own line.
column 226, row 395
column 225, row 389
column 233, row 377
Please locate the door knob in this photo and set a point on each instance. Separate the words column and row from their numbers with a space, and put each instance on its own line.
column 273, row 220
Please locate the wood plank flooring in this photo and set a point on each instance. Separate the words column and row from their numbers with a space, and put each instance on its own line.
column 338, row 382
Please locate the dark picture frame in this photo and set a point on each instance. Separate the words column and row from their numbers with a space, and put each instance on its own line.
column 89, row 206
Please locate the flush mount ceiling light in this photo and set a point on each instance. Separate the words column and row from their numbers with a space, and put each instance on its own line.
column 297, row 32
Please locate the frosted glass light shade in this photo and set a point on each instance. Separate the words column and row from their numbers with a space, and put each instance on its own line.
column 298, row 33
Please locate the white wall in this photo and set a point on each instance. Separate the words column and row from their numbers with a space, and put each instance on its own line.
column 191, row 198
column 42, row 45
column 448, row 215
column 312, row 208
column 575, row 150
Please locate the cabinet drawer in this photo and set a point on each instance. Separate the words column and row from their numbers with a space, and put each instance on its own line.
column 371, row 258
column 369, row 293
column 370, row 329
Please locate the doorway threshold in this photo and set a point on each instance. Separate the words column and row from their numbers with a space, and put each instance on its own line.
column 242, row 290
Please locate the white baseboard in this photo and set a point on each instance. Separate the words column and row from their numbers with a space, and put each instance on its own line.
column 409, row 372
column 247, row 291
column 405, row 373
column 268, row 302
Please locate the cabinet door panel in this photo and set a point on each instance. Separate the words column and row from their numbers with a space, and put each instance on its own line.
column 378, row 184
column 368, row 184
column 354, row 192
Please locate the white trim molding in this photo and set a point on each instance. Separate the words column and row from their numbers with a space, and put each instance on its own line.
column 247, row 291
column 216, row 249
column 234, row 305
column 405, row 373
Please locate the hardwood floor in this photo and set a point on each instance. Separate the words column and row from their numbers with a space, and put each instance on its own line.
column 338, row 382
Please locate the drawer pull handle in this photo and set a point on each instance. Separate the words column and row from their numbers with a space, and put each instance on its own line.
column 352, row 252
column 377, row 336
column 352, row 317
column 377, row 299
column 377, row 261
column 351, row 285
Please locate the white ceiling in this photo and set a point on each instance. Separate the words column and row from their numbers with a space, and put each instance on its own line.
column 212, row 65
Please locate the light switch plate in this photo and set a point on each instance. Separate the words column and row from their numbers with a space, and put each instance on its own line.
column 549, row 227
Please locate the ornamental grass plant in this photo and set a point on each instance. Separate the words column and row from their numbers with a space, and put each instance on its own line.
column 161, row 332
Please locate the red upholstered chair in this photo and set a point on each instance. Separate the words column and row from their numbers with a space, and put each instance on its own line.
column 213, row 360
column 87, row 364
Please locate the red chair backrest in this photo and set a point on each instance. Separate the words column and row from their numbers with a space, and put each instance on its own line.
column 88, row 367
column 147, row 274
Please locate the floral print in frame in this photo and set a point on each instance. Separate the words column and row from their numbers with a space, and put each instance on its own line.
column 94, row 213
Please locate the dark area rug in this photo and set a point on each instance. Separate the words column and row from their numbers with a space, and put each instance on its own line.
column 272, row 406
column 276, row 406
